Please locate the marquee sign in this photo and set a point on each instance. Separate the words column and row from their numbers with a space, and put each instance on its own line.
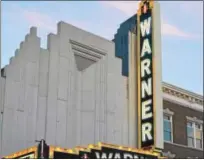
column 101, row 151
column 28, row 156
column 145, row 59
column 29, row 153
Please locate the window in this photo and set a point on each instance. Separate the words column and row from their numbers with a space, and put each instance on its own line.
column 168, row 128
column 190, row 134
column 195, row 135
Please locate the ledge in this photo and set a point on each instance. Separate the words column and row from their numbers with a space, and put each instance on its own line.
column 180, row 145
column 183, row 94
column 181, row 101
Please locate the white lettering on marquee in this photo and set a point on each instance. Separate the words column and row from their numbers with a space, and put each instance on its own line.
column 126, row 156
column 117, row 156
column 145, row 26
column 146, row 81
column 103, row 156
column 147, row 87
column 146, row 130
column 111, row 155
column 146, row 106
column 146, row 47
column 145, row 67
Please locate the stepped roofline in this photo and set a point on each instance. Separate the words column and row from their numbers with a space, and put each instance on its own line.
column 167, row 88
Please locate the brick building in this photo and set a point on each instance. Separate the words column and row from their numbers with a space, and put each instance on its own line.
column 183, row 123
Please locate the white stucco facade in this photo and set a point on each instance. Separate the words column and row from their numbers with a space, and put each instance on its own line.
column 70, row 94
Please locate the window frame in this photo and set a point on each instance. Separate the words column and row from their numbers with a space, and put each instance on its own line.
column 194, row 133
column 171, row 124
column 193, row 136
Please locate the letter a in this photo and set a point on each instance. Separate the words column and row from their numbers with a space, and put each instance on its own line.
column 146, row 47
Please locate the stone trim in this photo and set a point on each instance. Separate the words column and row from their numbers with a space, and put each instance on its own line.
column 183, row 94
column 167, row 111
column 181, row 145
column 86, row 48
column 182, row 102
column 194, row 119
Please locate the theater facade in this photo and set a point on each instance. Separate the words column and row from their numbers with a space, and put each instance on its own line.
column 88, row 97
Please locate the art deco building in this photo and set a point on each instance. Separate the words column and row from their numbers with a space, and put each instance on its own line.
column 70, row 94
column 77, row 91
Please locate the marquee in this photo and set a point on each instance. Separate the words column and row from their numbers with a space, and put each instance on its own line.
column 99, row 151
column 29, row 153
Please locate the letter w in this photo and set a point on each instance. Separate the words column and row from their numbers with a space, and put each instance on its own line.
column 145, row 26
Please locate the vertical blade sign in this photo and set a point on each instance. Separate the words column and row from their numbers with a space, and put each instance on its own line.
column 145, row 76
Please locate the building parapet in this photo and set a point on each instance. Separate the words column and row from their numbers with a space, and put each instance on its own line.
column 183, row 94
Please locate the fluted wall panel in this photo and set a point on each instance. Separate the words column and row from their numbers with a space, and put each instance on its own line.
column 48, row 97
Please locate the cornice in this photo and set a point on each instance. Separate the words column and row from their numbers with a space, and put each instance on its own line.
column 88, row 48
column 182, row 94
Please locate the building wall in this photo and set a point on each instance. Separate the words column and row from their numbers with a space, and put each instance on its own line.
column 132, row 92
column 183, row 152
column 179, row 145
column 21, row 96
column 56, row 95
column 2, row 95
column 180, row 120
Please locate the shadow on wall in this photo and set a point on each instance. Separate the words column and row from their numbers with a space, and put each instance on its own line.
column 121, row 42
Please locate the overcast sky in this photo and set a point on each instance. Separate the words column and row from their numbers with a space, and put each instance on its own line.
column 182, row 30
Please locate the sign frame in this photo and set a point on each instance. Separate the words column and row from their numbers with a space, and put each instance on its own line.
column 80, row 152
column 138, row 54
column 24, row 153
column 98, row 147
